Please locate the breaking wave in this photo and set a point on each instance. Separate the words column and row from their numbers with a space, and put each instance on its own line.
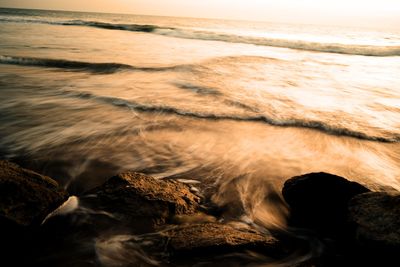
column 100, row 68
column 350, row 49
column 363, row 50
column 164, row 109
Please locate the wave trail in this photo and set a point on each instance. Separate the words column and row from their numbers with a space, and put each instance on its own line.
column 100, row 68
column 111, row 26
column 350, row 49
column 168, row 110
column 96, row 24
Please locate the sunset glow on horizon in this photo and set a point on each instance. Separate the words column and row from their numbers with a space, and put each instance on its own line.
column 384, row 13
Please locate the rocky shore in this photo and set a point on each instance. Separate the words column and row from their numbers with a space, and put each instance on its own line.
column 136, row 220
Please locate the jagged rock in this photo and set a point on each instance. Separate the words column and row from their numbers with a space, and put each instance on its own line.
column 377, row 219
column 27, row 197
column 141, row 200
column 319, row 201
column 215, row 238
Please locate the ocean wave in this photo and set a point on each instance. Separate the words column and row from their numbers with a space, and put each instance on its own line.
column 111, row 26
column 99, row 68
column 169, row 110
column 350, row 49
column 96, row 24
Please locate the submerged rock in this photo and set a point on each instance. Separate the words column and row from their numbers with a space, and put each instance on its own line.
column 26, row 197
column 142, row 201
column 215, row 238
column 319, row 201
column 377, row 219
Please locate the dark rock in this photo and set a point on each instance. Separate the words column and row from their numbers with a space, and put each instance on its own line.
column 215, row 238
column 27, row 197
column 318, row 201
column 377, row 219
column 142, row 201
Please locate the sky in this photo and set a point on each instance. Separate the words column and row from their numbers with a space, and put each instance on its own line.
column 380, row 13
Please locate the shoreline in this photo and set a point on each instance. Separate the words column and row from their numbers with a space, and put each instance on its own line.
column 167, row 223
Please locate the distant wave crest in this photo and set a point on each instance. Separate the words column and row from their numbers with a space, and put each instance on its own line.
column 364, row 50
column 110, row 26
column 164, row 109
column 96, row 24
column 100, row 68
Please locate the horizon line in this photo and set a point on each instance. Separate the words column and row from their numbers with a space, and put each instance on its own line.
column 136, row 14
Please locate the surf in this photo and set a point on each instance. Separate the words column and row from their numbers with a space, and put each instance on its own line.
column 99, row 68
column 171, row 110
column 187, row 33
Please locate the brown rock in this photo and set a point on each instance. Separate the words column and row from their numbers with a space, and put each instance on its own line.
column 377, row 216
column 141, row 200
column 27, row 197
column 215, row 238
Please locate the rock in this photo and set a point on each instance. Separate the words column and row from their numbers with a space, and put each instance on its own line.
column 193, row 218
column 142, row 201
column 215, row 238
column 26, row 197
column 377, row 219
column 318, row 201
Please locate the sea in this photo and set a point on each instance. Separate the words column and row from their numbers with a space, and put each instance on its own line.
column 234, row 107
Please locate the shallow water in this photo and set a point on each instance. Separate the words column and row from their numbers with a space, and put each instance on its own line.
column 238, row 106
